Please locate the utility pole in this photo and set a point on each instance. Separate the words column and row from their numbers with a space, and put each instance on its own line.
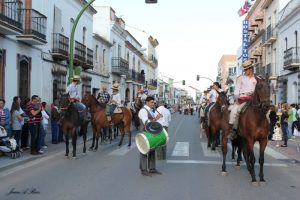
column 71, row 51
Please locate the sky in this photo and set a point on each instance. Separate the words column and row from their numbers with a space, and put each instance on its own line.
column 192, row 34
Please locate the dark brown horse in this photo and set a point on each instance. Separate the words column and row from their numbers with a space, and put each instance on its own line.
column 70, row 122
column 135, row 107
column 218, row 121
column 254, row 126
column 98, row 118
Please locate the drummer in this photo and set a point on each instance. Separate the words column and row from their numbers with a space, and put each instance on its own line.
column 146, row 114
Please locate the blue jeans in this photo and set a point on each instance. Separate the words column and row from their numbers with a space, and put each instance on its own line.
column 112, row 107
column 54, row 128
column 284, row 128
column 208, row 107
column 44, row 128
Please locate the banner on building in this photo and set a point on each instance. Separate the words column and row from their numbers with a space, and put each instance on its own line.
column 245, row 40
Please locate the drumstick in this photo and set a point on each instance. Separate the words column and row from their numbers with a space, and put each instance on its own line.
column 158, row 112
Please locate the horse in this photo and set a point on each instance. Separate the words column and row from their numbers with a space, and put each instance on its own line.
column 253, row 126
column 218, row 121
column 135, row 107
column 70, row 122
column 123, row 121
column 98, row 118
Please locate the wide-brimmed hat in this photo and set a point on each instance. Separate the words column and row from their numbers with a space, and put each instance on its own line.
column 153, row 127
column 115, row 86
column 247, row 64
column 76, row 78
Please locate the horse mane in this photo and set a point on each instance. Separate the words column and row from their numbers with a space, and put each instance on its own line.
column 97, row 102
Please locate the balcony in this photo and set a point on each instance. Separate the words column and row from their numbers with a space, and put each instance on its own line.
column 34, row 28
column 131, row 76
column 80, row 54
column 152, row 84
column 258, row 51
column 119, row 66
column 259, row 69
column 60, row 48
column 269, row 36
column 140, row 78
column 291, row 59
column 89, row 59
column 11, row 17
column 270, row 71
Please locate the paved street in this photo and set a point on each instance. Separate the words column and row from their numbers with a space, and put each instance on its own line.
column 191, row 172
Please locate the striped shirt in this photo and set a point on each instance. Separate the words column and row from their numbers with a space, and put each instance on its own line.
column 33, row 119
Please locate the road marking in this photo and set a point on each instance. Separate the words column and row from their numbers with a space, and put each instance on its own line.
column 209, row 162
column 178, row 126
column 122, row 151
column 208, row 152
column 181, row 149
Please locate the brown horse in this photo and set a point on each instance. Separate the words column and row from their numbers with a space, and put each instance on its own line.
column 218, row 121
column 254, row 126
column 70, row 122
column 98, row 118
column 123, row 122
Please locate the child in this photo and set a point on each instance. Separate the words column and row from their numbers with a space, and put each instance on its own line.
column 277, row 136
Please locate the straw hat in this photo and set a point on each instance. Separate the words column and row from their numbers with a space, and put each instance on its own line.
column 115, row 86
column 247, row 64
column 76, row 78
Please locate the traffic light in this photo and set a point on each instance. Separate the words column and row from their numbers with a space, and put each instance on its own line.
column 183, row 82
column 198, row 77
column 150, row 1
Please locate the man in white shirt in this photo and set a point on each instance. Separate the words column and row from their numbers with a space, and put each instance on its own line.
column 115, row 99
column 244, row 89
column 146, row 114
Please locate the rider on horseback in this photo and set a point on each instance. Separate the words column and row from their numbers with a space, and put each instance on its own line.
column 212, row 96
column 115, row 100
column 72, row 90
column 244, row 89
column 141, row 94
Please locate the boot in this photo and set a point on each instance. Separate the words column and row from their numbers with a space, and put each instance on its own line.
column 232, row 133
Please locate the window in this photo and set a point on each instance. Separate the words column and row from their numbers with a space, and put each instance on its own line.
column 294, row 92
column 2, row 73
column 96, row 53
column 285, row 44
column 103, row 56
column 296, row 40
column 24, row 68
column 83, row 34
column 119, row 50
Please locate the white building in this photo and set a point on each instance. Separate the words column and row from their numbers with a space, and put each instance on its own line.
column 288, row 52
column 35, row 46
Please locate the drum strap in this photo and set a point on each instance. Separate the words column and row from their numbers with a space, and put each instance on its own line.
column 150, row 117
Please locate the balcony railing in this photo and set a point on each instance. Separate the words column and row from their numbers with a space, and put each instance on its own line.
column 35, row 23
column 291, row 58
column 119, row 66
column 152, row 82
column 89, row 59
column 80, row 53
column 140, row 78
column 11, row 17
column 60, row 49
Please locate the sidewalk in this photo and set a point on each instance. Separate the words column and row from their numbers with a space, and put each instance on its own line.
column 292, row 150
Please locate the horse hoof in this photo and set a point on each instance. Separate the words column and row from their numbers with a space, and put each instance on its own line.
column 262, row 183
column 255, row 183
column 224, row 173
column 238, row 167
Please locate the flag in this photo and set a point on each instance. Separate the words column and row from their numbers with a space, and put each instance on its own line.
column 245, row 8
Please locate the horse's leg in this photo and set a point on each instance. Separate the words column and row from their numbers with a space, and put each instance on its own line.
column 67, row 143
column 233, row 147
column 98, row 132
column 94, row 136
column 239, row 151
column 74, row 139
column 224, row 151
column 251, row 161
column 213, row 135
column 128, row 130
column 84, row 141
column 122, row 135
column 262, row 147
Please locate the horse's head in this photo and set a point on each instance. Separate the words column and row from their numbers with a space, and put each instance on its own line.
column 222, row 100
column 64, row 102
column 262, row 93
column 86, row 100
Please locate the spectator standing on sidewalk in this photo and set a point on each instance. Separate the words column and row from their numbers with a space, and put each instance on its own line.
column 54, row 122
column 44, row 126
column 284, row 124
column 25, row 127
column 273, row 120
column 16, row 120
column 5, row 117
column 277, row 136
column 35, row 117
